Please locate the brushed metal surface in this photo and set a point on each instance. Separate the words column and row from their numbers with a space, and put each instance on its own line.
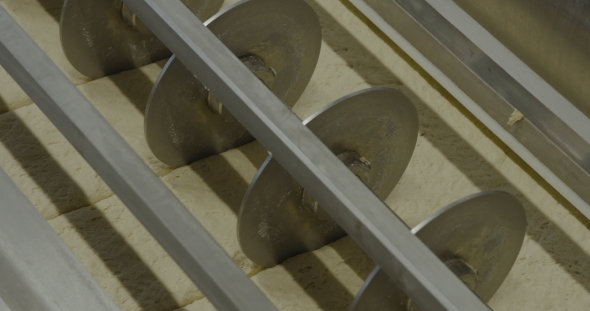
column 550, row 36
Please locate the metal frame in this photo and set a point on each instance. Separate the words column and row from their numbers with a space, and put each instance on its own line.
column 491, row 82
column 354, row 207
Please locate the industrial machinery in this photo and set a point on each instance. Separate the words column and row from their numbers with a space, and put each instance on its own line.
column 235, row 78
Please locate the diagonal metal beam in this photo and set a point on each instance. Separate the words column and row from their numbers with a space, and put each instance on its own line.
column 368, row 220
column 39, row 271
column 179, row 233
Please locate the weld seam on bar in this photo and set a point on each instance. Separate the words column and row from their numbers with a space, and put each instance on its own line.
column 367, row 219
column 163, row 215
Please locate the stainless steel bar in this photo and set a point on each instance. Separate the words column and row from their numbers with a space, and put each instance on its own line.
column 39, row 271
column 490, row 81
column 367, row 219
column 551, row 36
column 179, row 233
column 3, row 306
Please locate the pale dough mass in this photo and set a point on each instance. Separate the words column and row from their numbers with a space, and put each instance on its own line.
column 455, row 156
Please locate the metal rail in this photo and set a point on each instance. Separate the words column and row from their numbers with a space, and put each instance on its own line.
column 491, row 82
column 39, row 271
column 367, row 219
column 179, row 233
column 3, row 306
column 550, row 36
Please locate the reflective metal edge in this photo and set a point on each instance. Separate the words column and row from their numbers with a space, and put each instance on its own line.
column 146, row 196
column 553, row 137
column 3, row 306
column 354, row 207
column 39, row 271
column 551, row 36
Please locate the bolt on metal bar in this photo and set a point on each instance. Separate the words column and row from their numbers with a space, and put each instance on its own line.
column 163, row 215
column 367, row 219
column 39, row 271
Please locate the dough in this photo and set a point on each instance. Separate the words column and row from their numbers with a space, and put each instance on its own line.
column 53, row 176
column 135, row 271
column 326, row 279
column 124, row 258
column 49, row 170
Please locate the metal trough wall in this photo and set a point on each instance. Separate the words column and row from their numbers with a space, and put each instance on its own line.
column 542, row 126
column 550, row 36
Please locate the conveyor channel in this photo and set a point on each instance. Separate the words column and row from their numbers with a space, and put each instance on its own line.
column 551, row 135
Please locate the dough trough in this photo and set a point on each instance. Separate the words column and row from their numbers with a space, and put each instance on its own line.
column 234, row 75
